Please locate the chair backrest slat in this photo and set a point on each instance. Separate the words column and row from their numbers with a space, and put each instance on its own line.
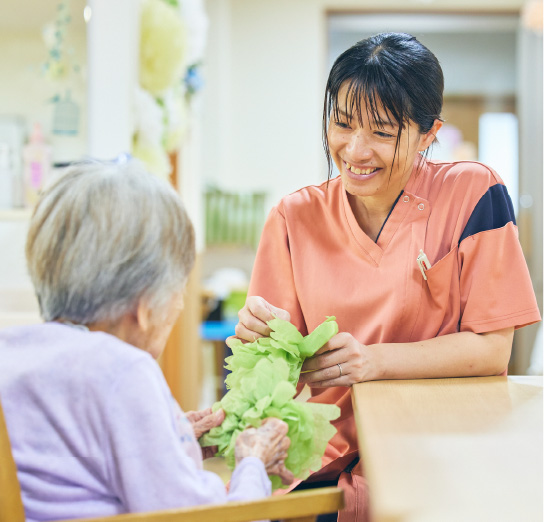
column 11, row 505
column 300, row 506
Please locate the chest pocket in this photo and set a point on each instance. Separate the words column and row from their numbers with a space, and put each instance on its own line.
column 439, row 307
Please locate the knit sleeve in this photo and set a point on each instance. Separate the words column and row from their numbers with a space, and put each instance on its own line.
column 151, row 467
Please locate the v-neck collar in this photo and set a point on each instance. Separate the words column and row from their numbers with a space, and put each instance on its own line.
column 387, row 217
column 375, row 250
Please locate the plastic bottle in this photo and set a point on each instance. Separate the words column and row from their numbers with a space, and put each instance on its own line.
column 37, row 165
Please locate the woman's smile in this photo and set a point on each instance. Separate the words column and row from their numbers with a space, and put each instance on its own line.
column 361, row 173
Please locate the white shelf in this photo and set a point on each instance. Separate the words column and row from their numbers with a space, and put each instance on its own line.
column 15, row 214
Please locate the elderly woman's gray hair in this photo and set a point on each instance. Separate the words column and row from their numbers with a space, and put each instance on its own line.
column 104, row 236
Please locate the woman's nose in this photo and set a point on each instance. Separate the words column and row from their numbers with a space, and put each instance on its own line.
column 359, row 146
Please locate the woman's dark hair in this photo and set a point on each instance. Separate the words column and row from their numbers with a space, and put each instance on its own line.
column 391, row 70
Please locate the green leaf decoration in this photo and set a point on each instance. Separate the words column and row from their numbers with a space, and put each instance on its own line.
column 262, row 384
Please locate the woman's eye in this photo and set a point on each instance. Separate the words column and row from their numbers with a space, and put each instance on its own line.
column 341, row 124
column 383, row 134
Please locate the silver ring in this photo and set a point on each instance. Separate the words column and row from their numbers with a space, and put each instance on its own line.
column 340, row 368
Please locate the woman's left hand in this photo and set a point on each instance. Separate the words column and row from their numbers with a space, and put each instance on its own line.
column 343, row 361
column 202, row 422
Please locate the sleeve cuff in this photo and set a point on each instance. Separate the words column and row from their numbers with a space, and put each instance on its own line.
column 250, row 480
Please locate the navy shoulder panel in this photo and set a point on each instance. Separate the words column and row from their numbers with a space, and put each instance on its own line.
column 494, row 210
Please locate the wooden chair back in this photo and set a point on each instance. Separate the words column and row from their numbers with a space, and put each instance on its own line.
column 303, row 506
column 11, row 504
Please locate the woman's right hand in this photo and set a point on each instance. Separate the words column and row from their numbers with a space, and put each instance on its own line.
column 252, row 319
column 269, row 443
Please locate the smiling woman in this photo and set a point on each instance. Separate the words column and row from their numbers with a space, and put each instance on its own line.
column 374, row 156
column 372, row 133
column 418, row 260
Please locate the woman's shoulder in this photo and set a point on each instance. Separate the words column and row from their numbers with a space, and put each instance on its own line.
column 460, row 180
column 462, row 171
column 311, row 198
column 91, row 352
column 74, row 362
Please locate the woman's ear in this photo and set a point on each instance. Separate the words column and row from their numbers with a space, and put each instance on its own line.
column 143, row 315
column 430, row 136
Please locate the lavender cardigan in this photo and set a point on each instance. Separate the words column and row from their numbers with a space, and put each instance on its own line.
column 96, row 432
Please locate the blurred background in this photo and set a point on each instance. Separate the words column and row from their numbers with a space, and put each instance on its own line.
column 224, row 98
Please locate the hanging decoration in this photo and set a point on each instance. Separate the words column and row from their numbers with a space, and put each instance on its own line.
column 162, row 46
column 61, row 69
column 172, row 42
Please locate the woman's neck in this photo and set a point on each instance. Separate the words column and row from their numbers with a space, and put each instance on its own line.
column 371, row 212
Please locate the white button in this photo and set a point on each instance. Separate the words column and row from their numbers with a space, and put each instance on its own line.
column 421, row 206
column 406, row 199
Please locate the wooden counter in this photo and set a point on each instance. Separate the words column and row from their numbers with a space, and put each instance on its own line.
column 445, row 450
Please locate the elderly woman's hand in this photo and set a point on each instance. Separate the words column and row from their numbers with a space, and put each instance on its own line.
column 252, row 319
column 269, row 443
column 342, row 361
column 202, row 422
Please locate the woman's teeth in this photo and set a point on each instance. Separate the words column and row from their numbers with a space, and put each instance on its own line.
column 366, row 172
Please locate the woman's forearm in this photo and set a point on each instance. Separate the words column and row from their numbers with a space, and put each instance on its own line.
column 461, row 354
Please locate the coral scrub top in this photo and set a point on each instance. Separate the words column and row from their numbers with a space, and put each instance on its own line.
column 314, row 260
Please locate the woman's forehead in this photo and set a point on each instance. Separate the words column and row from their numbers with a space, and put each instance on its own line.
column 354, row 101
column 350, row 109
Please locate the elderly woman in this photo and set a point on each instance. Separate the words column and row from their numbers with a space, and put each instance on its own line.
column 94, row 428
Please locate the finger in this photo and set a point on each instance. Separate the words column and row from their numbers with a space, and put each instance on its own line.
column 194, row 416
column 280, row 313
column 248, row 433
column 191, row 416
column 325, row 360
column 286, row 443
column 283, row 447
column 213, row 419
column 327, row 347
column 260, row 308
column 218, row 417
column 345, row 380
column 335, row 342
column 255, row 314
column 278, row 427
column 257, row 330
column 286, row 476
column 263, row 310
column 207, row 423
column 325, row 374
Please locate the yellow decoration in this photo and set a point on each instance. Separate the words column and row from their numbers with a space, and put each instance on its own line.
column 162, row 46
column 154, row 158
column 175, row 120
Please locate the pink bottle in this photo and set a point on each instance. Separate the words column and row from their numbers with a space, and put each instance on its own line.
column 37, row 165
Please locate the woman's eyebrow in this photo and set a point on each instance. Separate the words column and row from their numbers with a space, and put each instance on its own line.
column 378, row 122
column 343, row 113
column 383, row 123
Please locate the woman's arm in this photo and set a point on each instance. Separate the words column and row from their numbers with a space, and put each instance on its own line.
column 461, row 354
column 151, row 466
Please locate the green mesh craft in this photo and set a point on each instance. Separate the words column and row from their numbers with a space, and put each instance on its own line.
column 262, row 383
